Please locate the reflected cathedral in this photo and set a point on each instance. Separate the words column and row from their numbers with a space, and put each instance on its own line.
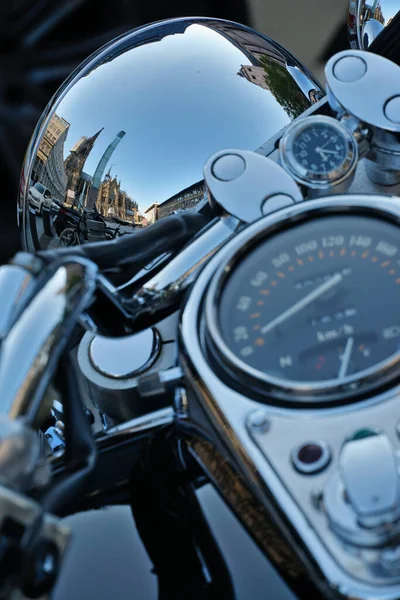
column 71, row 185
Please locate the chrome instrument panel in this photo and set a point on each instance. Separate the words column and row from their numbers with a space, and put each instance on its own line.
column 354, row 555
column 327, row 475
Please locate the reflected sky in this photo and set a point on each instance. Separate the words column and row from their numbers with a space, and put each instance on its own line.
column 179, row 100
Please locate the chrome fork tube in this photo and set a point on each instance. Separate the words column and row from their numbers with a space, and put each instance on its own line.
column 32, row 347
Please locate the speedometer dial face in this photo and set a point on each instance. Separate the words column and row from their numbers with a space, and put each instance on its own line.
column 318, row 302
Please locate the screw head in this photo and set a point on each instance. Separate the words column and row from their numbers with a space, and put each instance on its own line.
column 259, row 421
column 42, row 569
column 228, row 167
column 181, row 402
column 316, row 498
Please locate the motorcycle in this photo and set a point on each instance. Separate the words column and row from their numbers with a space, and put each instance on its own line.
column 249, row 342
column 79, row 229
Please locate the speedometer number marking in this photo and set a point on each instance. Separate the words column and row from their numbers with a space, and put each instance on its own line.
column 391, row 332
column 259, row 279
column 244, row 303
column 285, row 361
column 360, row 241
column 386, row 249
column 240, row 333
column 328, row 310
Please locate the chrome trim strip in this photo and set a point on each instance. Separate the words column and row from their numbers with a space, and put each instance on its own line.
column 154, row 420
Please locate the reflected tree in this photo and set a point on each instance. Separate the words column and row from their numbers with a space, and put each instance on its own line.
column 284, row 87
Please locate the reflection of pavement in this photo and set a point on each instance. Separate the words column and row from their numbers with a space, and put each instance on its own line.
column 45, row 241
column 122, row 229
column 51, row 242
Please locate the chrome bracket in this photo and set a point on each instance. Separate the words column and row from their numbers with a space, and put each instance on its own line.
column 247, row 185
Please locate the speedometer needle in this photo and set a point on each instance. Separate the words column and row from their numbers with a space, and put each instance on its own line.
column 319, row 291
column 346, row 358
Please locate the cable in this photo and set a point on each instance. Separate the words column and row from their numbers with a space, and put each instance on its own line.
column 137, row 249
column 80, row 446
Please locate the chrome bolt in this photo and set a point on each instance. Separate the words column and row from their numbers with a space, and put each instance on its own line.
column 59, row 432
column 181, row 403
column 228, row 167
column 316, row 498
column 49, row 564
column 259, row 421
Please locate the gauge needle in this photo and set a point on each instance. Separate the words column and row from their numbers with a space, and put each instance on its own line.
column 323, row 146
column 319, row 291
column 346, row 358
column 326, row 151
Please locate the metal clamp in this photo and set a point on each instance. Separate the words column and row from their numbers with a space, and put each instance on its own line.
column 367, row 86
column 248, row 185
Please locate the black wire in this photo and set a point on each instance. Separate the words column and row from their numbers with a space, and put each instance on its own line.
column 80, row 446
column 138, row 249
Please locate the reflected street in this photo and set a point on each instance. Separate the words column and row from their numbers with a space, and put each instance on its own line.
column 52, row 241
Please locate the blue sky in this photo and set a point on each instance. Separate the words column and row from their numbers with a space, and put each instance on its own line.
column 179, row 100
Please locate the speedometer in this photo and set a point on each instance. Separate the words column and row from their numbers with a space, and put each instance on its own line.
column 314, row 308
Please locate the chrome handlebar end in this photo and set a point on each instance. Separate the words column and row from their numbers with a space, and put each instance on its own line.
column 33, row 345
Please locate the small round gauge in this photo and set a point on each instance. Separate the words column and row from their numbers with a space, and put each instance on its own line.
column 312, row 309
column 318, row 151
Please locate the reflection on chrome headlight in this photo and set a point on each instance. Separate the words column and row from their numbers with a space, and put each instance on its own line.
column 131, row 132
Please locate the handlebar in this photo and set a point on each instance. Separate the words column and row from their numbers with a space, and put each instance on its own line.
column 62, row 291
column 135, row 250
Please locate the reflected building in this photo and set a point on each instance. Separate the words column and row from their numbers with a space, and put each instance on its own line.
column 143, row 38
column 48, row 167
column 187, row 198
column 114, row 202
column 53, row 174
column 249, row 43
column 74, row 167
column 378, row 15
column 254, row 74
column 151, row 213
column 268, row 69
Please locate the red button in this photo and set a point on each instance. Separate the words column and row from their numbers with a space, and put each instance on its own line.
column 309, row 453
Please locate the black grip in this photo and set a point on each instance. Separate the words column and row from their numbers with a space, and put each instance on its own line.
column 137, row 249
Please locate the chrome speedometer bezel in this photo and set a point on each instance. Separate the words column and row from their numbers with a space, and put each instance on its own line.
column 330, row 391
